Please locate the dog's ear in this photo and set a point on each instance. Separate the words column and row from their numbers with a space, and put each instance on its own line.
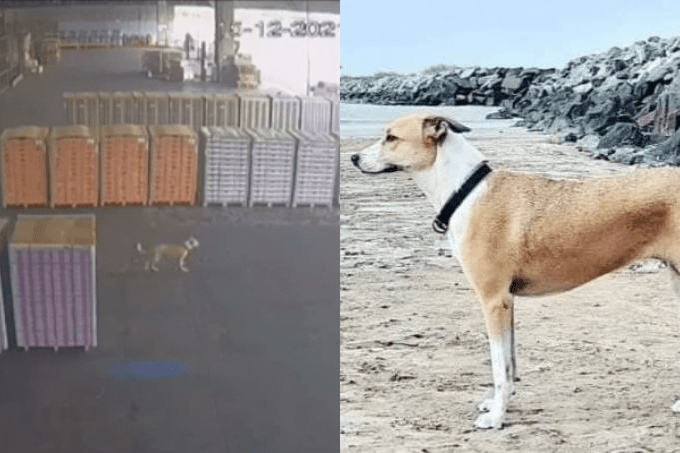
column 434, row 130
column 457, row 127
column 436, row 127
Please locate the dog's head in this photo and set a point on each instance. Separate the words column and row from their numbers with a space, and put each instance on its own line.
column 192, row 243
column 409, row 144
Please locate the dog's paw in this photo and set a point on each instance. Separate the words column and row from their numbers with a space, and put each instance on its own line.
column 184, row 269
column 489, row 420
column 486, row 405
column 676, row 406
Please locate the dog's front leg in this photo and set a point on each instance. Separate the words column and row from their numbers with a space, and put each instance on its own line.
column 498, row 313
column 181, row 262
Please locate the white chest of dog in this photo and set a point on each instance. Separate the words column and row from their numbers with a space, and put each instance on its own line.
column 526, row 235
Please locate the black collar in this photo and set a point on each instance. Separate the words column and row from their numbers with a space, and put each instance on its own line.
column 441, row 222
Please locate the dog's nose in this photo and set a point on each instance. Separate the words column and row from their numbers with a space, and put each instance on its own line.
column 355, row 159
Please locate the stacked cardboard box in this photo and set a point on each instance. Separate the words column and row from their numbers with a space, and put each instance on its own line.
column 124, row 165
column 174, row 165
column 74, row 166
column 24, row 166
column 52, row 267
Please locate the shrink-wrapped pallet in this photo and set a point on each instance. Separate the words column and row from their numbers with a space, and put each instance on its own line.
column 5, row 309
column 285, row 112
column 52, row 267
column 315, row 114
column 271, row 174
column 74, row 166
column 124, row 165
column 255, row 110
column 24, row 166
column 174, row 165
column 315, row 168
column 225, row 165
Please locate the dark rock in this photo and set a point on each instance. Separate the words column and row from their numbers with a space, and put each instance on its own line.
column 466, row 74
column 588, row 142
column 628, row 155
column 666, row 152
column 622, row 134
column 500, row 115
column 569, row 136
column 513, row 83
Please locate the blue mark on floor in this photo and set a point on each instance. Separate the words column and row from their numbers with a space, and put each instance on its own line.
column 149, row 370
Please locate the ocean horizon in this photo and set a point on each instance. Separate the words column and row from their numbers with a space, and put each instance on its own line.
column 368, row 120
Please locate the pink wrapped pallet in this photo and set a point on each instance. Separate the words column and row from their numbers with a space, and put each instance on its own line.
column 4, row 283
column 52, row 270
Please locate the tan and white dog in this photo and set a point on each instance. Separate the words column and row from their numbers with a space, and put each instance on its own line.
column 172, row 252
column 524, row 235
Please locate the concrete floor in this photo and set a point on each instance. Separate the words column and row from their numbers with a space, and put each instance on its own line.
column 250, row 335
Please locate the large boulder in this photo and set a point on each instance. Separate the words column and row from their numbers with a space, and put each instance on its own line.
column 622, row 134
column 667, row 152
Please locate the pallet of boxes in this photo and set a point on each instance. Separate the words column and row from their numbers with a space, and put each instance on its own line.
column 174, row 165
column 24, row 167
column 52, row 267
column 74, row 167
column 124, row 165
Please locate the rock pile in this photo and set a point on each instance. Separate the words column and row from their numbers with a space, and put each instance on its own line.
column 622, row 105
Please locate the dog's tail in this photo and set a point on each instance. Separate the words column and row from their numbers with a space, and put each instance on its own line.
column 139, row 248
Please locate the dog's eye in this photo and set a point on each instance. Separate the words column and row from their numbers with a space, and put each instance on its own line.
column 391, row 138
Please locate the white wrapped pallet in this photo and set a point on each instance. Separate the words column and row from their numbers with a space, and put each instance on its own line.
column 120, row 103
column 86, row 109
column 105, row 108
column 335, row 117
column 315, row 114
column 227, row 110
column 273, row 164
column 70, row 107
column 255, row 110
column 225, row 155
column 285, row 112
column 315, row 168
column 156, row 107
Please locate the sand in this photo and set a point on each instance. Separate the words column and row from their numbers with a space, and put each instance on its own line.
column 598, row 365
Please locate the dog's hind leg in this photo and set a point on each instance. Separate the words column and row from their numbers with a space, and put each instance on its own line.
column 498, row 313
column 675, row 281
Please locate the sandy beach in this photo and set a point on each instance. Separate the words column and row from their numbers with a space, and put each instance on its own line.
column 598, row 365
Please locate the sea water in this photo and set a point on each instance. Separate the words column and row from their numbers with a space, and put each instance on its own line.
column 367, row 120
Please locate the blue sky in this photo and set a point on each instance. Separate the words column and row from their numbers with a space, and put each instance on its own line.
column 408, row 36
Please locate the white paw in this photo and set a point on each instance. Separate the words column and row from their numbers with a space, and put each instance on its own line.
column 676, row 406
column 154, row 268
column 489, row 420
column 184, row 269
column 486, row 405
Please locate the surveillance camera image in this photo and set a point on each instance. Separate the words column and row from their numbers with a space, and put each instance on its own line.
column 169, row 226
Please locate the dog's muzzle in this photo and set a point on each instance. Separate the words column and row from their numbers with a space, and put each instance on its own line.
column 389, row 169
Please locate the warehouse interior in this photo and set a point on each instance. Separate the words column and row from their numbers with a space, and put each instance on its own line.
column 150, row 122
